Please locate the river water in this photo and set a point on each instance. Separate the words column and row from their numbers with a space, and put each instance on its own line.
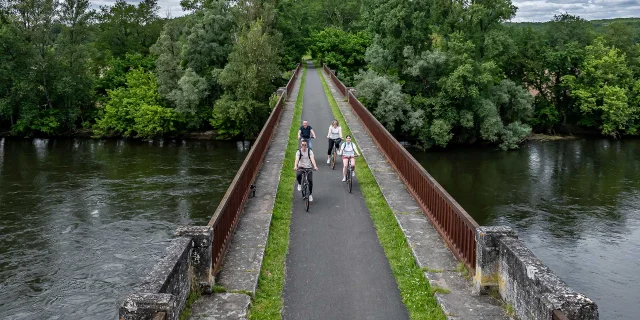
column 576, row 205
column 82, row 221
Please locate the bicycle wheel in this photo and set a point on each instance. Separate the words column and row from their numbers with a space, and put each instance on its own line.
column 306, row 199
column 350, row 178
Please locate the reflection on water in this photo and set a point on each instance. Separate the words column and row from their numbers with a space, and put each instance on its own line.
column 574, row 203
column 82, row 221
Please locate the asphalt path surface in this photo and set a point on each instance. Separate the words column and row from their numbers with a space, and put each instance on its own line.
column 335, row 268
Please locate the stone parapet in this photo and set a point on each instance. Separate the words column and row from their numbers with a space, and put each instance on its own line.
column 504, row 263
column 201, row 242
column 185, row 264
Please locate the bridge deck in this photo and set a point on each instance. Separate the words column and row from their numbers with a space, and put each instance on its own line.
column 336, row 268
column 429, row 249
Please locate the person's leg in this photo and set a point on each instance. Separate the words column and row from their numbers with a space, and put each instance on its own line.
column 353, row 167
column 299, row 176
column 310, row 179
column 344, row 168
column 309, row 142
column 329, row 151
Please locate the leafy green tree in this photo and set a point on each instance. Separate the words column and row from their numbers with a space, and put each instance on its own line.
column 114, row 74
column 294, row 21
column 341, row 50
column 248, row 79
column 567, row 36
column 453, row 75
column 604, row 88
column 75, row 84
column 168, row 63
column 16, row 77
column 136, row 110
column 126, row 28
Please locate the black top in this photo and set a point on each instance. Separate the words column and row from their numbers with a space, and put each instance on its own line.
column 305, row 133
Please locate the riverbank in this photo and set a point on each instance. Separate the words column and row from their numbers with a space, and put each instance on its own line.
column 552, row 137
column 88, row 134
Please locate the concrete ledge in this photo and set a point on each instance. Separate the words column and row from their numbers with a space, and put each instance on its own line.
column 505, row 263
column 229, row 306
column 147, row 305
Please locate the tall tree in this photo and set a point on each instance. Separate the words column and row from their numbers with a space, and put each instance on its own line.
column 603, row 90
column 126, row 28
column 248, row 79
column 76, row 81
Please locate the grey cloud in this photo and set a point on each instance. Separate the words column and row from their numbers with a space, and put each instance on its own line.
column 170, row 8
column 528, row 10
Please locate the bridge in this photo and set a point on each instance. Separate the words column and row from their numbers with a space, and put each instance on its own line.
column 360, row 255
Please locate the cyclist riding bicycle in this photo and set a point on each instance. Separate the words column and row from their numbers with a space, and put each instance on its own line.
column 348, row 150
column 305, row 161
column 335, row 136
column 306, row 132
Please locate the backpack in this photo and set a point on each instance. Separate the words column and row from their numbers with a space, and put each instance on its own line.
column 300, row 153
column 344, row 145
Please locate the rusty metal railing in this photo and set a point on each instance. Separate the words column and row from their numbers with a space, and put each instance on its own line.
column 341, row 87
column 226, row 216
column 453, row 223
column 558, row 315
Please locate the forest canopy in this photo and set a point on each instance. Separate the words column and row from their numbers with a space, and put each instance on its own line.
column 433, row 72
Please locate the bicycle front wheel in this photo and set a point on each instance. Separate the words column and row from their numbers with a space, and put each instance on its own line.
column 306, row 203
column 350, row 181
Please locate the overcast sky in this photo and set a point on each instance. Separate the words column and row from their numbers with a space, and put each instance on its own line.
column 543, row 10
column 528, row 10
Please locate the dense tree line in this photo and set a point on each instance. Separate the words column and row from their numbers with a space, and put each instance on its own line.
column 441, row 72
column 434, row 72
column 123, row 70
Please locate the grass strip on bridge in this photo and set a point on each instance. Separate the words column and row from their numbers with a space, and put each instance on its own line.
column 267, row 304
column 416, row 293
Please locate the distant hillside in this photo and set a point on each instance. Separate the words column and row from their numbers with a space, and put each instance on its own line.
column 598, row 24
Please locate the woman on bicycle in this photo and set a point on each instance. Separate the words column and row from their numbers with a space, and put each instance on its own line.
column 348, row 150
column 335, row 136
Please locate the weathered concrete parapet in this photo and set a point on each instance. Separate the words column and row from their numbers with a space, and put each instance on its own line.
column 201, row 242
column 166, row 288
column 522, row 280
column 488, row 256
column 147, row 305
column 282, row 91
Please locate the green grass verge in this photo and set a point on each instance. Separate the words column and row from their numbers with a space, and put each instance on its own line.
column 194, row 295
column 267, row 303
column 416, row 293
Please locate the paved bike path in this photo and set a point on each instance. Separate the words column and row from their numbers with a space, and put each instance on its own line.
column 335, row 268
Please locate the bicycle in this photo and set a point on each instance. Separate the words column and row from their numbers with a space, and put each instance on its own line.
column 305, row 187
column 349, row 176
column 334, row 152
